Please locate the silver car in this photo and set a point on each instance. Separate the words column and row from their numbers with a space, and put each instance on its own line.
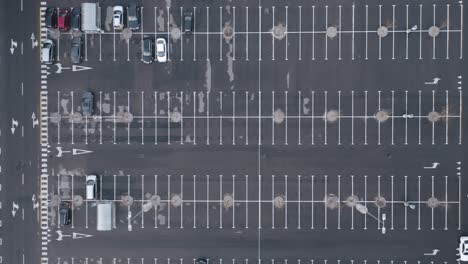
column 87, row 103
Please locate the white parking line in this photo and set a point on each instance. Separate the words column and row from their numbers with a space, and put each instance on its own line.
column 380, row 37
column 181, row 36
column 220, row 33
column 300, row 33
column 420, row 31
column 407, row 31
column 448, row 31
column 247, row 31
column 286, row 118
column 326, row 37
column 100, row 117
column 433, row 24
column 234, row 33
column 393, row 32
column 287, row 24
column 72, row 120
column 272, row 35
column 339, row 32
column 58, row 123
column 207, row 35
column 168, row 33
column 194, row 33
column 142, row 121
column 313, row 32
column 233, row 118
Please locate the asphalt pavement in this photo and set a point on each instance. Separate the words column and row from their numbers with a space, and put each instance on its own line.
column 278, row 131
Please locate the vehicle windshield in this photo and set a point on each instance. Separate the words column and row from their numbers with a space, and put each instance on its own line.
column 132, row 18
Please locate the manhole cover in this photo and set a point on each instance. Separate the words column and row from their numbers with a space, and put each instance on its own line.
column 433, row 202
column 332, row 201
column 176, row 200
column 228, row 201
column 176, row 33
column 176, row 117
column 54, row 33
column 434, row 31
column 279, row 202
column 380, row 201
column 433, row 116
column 76, row 117
column 155, row 200
column 55, row 201
column 352, row 201
column 126, row 33
column 127, row 200
column 279, row 31
column 228, row 32
column 382, row 116
column 382, row 31
column 332, row 116
column 76, row 33
column 55, row 117
column 331, row 32
column 77, row 200
column 278, row 116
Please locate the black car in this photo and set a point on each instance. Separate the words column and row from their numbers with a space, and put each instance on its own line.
column 87, row 103
column 188, row 22
column 51, row 17
column 76, row 50
column 75, row 23
column 65, row 213
column 148, row 50
column 133, row 16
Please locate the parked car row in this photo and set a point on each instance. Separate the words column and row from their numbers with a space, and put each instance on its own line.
column 64, row 19
column 70, row 18
column 149, row 51
column 91, row 194
column 48, row 51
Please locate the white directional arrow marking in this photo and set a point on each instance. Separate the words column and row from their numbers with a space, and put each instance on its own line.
column 79, row 235
column 34, row 120
column 34, row 42
column 434, row 165
column 14, row 124
column 80, row 151
column 76, row 68
column 13, row 46
column 15, row 208
column 434, row 81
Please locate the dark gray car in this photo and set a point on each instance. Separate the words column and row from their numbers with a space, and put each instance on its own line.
column 65, row 213
column 76, row 50
column 76, row 19
column 87, row 103
column 133, row 16
column 148, row 50
column 188, row 22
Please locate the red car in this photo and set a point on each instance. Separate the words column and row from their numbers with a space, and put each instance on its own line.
column 64, row 19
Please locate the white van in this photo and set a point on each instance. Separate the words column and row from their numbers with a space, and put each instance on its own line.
column 91, row 187
column 105, row 216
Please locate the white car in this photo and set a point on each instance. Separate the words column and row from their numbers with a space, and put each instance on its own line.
column 48, row 47
column 91, row 187
column 118, row 17
column 161, row 51
column 463, row 249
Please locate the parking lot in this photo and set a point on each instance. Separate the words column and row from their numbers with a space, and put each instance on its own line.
column 313, row 32
column 276, row 132
column 297, row 118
